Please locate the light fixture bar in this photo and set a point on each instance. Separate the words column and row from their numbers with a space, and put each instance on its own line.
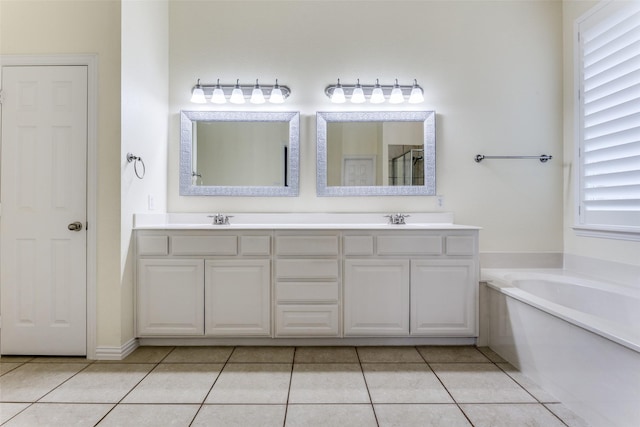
column 247, row 91
column 367, row 90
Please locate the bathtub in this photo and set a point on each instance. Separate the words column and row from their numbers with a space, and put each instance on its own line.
column 578, row 338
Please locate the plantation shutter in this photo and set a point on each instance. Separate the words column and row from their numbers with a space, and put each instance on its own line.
column 609, row 118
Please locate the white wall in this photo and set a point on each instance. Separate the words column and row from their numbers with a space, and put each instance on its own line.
column 492, row 70
column 626, row 252
column 145, row 82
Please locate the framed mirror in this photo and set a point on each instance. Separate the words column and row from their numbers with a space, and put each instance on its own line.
column 376, row 153
column 224, row 153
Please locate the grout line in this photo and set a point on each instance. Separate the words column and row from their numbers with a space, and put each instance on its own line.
column 286, row 407
column 446, row 389
column 373, row 408
column 224, row 365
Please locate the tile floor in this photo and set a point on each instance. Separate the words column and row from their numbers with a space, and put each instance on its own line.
column 277, row 386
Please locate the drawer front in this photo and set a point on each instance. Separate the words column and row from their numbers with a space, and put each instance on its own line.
column 255, row 245
column 307, row 245
column 409, row 245
column 204, row 245
column 153, row 245
column 460, row 245
column 357, row 245
column 307, row 291
column 307, row 269
column 307, row 320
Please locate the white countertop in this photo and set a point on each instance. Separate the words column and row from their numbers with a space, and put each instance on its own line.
column 297, row 221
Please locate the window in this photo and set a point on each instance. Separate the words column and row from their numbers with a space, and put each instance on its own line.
column 608, row 121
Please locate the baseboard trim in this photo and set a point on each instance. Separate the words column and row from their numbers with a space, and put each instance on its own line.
column 117, row 353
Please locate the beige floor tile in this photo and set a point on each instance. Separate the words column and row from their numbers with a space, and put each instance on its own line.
column 31, row 381
column 330, row 415
column 100, row 383
column 503, row 415
column 198, row 355
column 147, row 354
column 528, row 384
column 420, row 416
column 60, row 414
column 262, row 355
column 479, row 383
column 452, row 354
column 326, row 355
column 328, row 383
column 252, row 383
column 9, row 410
column 491, row 355
column 404, row 383
column 7, row 367
column 389, row 355
column 240, row 416
column 150, row 416
column 15, row 359
column 567, row 416
column 60, row 359
column 175, row 383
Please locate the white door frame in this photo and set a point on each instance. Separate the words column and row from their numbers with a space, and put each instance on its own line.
column 91, row 62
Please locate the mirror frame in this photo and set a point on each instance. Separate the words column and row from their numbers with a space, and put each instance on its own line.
column 186, row 144
column 429, row 120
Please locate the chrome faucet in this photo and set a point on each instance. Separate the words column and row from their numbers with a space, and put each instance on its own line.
column 220, row 219
column 397, row 218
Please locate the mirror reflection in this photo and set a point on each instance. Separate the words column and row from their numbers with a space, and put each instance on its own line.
column 239, row 153
column 376, row 153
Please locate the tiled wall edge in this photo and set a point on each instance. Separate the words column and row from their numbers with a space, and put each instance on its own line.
column 521, row 259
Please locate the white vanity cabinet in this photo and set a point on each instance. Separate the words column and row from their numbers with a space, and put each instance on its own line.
column 195, row 283
column 418, row 283
column 307, row 284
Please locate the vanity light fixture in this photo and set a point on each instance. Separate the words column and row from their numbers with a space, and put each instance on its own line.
column 376, row 94
column 238, row 93
column 197, row 94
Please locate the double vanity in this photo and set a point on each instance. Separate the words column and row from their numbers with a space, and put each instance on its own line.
column 324, row 278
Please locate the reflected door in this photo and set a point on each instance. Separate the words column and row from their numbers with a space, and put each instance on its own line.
column 42, row 228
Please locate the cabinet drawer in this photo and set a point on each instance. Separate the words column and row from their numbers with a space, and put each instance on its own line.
column 358, row 245
column 460, row 245
column 307, row 320
column 307, row 291
column 255, row 245
column 204, row 245
column 153, row 245
column 409, row 245
column 307, row 269
column 307, row 245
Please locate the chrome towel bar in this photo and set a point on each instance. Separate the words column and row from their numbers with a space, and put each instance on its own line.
column 543, row 158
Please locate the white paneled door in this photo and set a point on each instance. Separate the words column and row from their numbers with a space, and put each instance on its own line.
column 43, row 191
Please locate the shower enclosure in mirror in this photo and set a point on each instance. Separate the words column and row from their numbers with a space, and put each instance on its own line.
column 376, row 153
column 239, row 153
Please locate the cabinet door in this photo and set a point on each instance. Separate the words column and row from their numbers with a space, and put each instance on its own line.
column 376, row 297
column 170, row 296
column 443, row 297
column 238, row 297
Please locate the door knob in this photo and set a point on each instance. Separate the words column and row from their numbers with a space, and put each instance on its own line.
column 75, row 226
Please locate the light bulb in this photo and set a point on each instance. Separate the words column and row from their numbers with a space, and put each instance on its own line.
column 417, row 95
column 237, row 96
column 218, row 95
column 197, row 95
column 377, row 96
column 337, row 97
column 357, row 97
column 257, row 97
column 276, row 96
column 396, row 94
